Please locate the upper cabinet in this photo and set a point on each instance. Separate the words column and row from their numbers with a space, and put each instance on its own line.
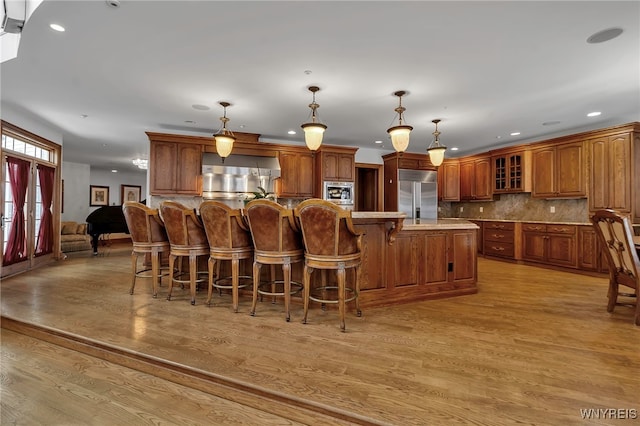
column 511, row 171
column 611, row 168
column 296, row 174
column 336, row 164
column 558, row 171
column 174, row 167
column 475, row 179
column 449, row 180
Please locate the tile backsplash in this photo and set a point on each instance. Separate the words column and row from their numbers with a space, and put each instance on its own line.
column 519, row 207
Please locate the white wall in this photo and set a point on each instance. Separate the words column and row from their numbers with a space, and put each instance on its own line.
column 76, row 191
column 114, row 181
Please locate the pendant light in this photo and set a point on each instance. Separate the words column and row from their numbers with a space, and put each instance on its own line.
column 400, row 133
column 224, row 138
column 314, row 130
column 435, row 150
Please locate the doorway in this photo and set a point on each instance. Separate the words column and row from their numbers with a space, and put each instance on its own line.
column 368, row 187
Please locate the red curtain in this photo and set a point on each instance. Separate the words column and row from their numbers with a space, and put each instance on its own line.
column 17, row 242
column 46, row 175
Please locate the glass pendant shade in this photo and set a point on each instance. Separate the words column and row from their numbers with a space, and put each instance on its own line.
column 400, row 137
column 435, row 150
column 224, row 138
column 436, row 155
column 224, row 145
column 313, row 135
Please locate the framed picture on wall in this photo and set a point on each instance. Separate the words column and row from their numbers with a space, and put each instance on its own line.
column 99, row 195
column 130, row 193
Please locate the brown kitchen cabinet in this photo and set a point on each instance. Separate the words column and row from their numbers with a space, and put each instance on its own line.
column 610, row 172
column 510, row 171
column 175, row 168
column 550, row 244
column 336, row 164
column 296, row 174
column 499, row 239
column 449, row 181
column 475, row 179
column 434, row 257
column 558, row 171
column 590, row 254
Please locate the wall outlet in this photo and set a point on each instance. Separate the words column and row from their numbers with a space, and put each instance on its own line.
column 552, row 209
column 461, row 209
column 481, row 209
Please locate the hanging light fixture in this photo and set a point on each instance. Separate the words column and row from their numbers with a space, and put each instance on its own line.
column 435, row 150
column 314, row 130
column 400, row 133
column 224, row 137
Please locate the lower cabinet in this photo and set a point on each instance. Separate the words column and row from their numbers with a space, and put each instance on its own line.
column 550, row 244
column 499, row 239
column 415, row 264
column 590, row 254
column 435, row 257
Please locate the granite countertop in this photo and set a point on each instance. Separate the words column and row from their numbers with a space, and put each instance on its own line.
column 526, row 221
column 378, row 215
column 437, row 224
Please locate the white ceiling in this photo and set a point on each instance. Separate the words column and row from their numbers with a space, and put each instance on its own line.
column 485, row 68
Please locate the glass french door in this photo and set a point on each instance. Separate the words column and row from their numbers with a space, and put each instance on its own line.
column 27, row 206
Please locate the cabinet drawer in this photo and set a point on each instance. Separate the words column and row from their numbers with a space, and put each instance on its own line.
column 498, row 248
column 408, row 163
column 561, row 229
column 534, row 227
column 499, row 235
column 510, row 226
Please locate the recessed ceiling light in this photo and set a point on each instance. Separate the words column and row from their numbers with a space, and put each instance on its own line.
column 604, row 35
column 57, row 27
column 291, row 132
column 200, row 107
column 114, row 171
column 594, row 114
column 378, row 141
column 455, row 148
column 514, row 133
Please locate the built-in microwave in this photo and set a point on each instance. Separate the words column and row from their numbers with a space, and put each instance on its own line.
column 339, row 192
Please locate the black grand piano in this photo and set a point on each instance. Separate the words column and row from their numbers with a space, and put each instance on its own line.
column 105, row 220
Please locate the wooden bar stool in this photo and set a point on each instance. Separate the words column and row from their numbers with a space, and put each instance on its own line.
column 187, row 239
column 276, row 241
column 331, row 243
column 229, row 240
column 149, row 237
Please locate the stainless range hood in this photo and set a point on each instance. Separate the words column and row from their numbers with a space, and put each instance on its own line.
column 238, row 177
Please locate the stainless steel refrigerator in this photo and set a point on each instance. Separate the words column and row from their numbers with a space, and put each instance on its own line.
column 418, row 193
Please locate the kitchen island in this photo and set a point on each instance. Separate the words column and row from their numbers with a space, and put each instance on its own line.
column 407, row 260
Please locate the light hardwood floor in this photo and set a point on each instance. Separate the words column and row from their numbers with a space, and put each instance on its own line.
column 534, row 346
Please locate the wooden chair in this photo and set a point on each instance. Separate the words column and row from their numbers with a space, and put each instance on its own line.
column 331, row 243
column 229, row 240
column 276, row 241
column 187, row 239
column 616, row 238
column 148, row 236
